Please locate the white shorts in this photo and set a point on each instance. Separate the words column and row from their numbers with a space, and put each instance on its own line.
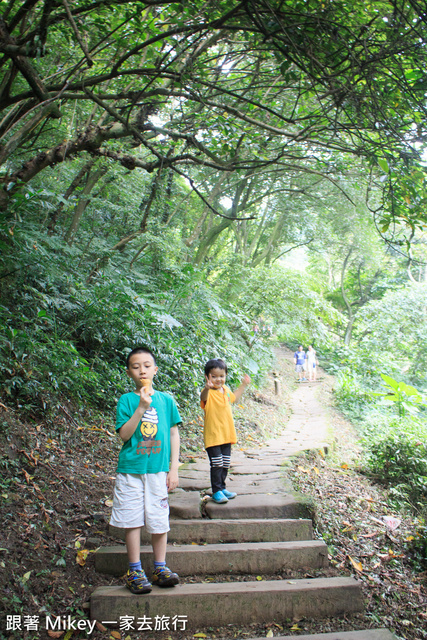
column 141, row 499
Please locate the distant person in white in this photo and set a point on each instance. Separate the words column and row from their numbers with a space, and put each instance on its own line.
column 312, row 363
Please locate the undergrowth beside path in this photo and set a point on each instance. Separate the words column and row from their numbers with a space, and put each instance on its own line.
column 366, row 537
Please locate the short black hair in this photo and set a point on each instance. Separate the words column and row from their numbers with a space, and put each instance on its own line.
column 216, row 363
column 140, row 350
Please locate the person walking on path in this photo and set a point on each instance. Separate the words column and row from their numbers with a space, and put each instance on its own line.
column 147, row 422
column 219, row 432
column 299, row 361
column 312, row 363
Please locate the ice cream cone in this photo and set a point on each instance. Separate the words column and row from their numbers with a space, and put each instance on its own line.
column 146, row 383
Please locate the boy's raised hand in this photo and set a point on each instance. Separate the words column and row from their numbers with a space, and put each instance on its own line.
column 246, row 380
column 209, row 384
column 205, row 391
column 144, row 398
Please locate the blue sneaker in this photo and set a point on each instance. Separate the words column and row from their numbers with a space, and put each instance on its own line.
column 229, row 494
column 219, row 497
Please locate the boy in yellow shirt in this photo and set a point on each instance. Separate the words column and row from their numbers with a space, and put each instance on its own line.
column 219, row 432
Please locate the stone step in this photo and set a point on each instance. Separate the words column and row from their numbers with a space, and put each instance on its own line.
column 187, row 505
column 238, row 558
column 364, row 634
column 261, row 506
column 220, row 604
column 238, row 530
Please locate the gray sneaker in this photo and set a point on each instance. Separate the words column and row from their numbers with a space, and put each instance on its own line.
column 137, row 582
column 164, row 577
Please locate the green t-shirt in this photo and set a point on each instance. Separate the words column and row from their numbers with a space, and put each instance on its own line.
column 148, row 450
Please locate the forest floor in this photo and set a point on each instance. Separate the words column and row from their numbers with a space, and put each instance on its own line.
column 56, row 488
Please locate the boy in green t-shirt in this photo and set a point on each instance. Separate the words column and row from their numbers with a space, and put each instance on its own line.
column 147, row 422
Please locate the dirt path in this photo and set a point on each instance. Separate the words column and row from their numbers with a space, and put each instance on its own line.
column 307, row 427
column 301, row 416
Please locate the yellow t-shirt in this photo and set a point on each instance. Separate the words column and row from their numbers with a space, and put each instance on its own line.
column 219, row 424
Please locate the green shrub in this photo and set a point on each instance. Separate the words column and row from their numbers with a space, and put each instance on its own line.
column 405, row 398
column 351, row 394
column 399, row 459
column 418, row 545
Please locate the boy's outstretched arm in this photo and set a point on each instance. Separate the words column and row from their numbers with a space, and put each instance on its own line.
column 172, row 477
column 240, row 390
column 205, row 390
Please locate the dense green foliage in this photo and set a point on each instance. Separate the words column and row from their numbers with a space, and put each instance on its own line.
column 390, row 414
column 65, row 338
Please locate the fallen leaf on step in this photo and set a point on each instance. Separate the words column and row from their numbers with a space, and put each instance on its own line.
column 295, row 627
column 81, row 556
column 100, row 626
column 200, row 635
column 269, row 634
column 55, row 634
column 357, row 565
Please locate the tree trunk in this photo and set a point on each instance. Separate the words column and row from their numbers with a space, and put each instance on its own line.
column 73, row 186
column 84, row 200
column 210, row 238
column 213, row 195
column 349, row 328
column 18, row 139
column 349, row 331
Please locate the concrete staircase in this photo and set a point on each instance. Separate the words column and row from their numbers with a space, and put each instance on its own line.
column 265, row 531
column 243, row 602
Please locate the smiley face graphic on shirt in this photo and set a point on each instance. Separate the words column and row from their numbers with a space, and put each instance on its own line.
column 149, row 429
column 149, row 423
